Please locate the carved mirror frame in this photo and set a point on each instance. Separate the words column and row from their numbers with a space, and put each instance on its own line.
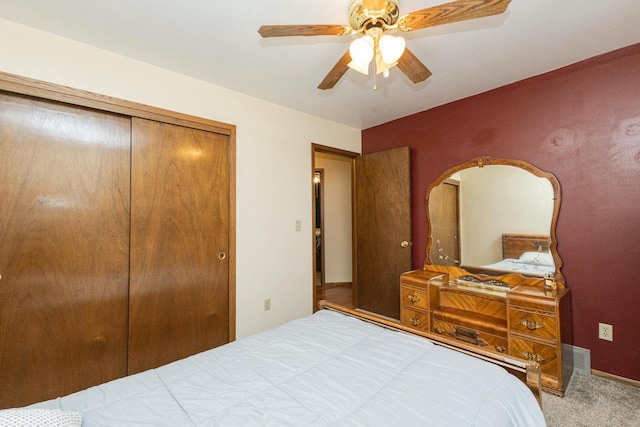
column 512, row 278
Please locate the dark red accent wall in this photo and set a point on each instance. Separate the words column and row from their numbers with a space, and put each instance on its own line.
column 582, row 123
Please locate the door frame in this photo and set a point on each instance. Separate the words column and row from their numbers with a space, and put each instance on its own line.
column 317, row 148
column 319, row 204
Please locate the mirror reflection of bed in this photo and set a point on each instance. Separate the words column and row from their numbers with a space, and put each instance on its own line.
column 524, row 254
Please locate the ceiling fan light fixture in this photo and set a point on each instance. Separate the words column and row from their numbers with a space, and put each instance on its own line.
column 391, row 48
column 382, row 66
column 361, row 51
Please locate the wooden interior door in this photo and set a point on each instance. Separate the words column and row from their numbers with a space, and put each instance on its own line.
column 444, row 216
column 179, row 293
column 64, row 248
column 382, row 224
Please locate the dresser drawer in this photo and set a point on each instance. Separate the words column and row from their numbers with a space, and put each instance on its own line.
column 415, row 319
column 484, row 340
column 533, row 324
column 414, row 297
column 546, row 355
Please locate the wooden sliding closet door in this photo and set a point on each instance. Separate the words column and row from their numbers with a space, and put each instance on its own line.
column 64, row 248
column 179, row 293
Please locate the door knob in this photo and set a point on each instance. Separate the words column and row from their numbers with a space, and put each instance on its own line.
column 405, row 244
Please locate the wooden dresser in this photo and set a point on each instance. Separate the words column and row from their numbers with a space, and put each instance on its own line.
column 537, row 318
column 415, row 308
column 524, row 319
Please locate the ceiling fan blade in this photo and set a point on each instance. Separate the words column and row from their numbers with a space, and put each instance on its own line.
column 455, row 11
column 412, row 67
column 303, row 30
column 336, row 72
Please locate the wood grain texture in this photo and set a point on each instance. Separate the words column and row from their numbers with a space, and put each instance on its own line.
column 545, row 354
column 444, row 213
column 301, row 30
column 336, row 73
column 476, row 302
column 489, row 341
column 64, row 248
column 415, row 319
column 514, row 245
column 455, row 11
column 418, row 298
column 536, row 324
column 27, row 86
column 179, row 302
column 412, row 67
column 382, row 222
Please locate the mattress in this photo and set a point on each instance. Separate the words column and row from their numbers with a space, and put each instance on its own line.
column 326, row 369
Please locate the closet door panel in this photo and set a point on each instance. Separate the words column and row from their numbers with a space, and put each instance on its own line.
column 64, row 248
column 179, row 293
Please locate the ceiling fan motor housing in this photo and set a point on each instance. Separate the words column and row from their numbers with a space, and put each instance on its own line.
column 361, row 18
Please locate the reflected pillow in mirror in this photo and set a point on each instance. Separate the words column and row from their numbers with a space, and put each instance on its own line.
column 537, row 258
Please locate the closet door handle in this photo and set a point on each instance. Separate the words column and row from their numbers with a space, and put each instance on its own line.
column 222, row 255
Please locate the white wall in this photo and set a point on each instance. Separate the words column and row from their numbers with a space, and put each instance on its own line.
column 273, row 160
column 500, row 199
column 337, row 217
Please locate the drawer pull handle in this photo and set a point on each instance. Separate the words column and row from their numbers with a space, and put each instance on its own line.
column 500, row 349
column 468, row 335
column 415, row 322
column 531, row 325
column 531, row 356
column 414, row 298
column 440, row 331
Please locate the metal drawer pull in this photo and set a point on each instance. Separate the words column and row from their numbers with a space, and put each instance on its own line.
column 500, row 349
column 531, row 356
column 532, row 325
column 468, row 335
column 440, row 331
column 415, row 322
column 414, row 298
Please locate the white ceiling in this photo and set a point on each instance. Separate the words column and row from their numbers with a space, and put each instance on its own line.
column 217, row 41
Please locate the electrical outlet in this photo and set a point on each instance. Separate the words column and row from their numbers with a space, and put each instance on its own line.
column 605, row 332
column 267, row 304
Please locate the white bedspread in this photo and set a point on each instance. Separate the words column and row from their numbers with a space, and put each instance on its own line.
column 515, row 265
column 326, row 369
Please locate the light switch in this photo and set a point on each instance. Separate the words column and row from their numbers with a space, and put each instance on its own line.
column 298, row 225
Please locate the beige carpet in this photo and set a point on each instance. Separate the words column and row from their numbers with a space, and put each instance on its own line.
column 592, row 401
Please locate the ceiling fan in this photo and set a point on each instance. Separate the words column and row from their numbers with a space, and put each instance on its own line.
column 373, row 19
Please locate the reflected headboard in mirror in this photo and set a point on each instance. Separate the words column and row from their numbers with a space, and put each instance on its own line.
column 494, row 217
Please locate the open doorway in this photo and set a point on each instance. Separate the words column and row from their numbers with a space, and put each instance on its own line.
column 318, row 195
column 332, row 183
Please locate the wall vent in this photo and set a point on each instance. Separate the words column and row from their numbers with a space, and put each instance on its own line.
column 581, row 358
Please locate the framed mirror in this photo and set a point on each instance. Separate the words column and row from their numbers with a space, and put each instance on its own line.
column 494, row 217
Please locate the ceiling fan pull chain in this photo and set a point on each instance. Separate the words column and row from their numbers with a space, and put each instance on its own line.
column 375, row 78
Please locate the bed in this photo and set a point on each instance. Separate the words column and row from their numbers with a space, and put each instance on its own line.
column 330, row 368
column 526, row 254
